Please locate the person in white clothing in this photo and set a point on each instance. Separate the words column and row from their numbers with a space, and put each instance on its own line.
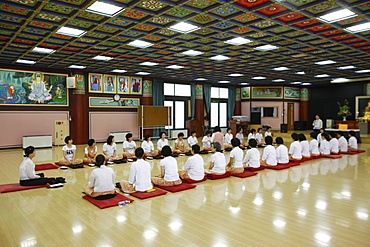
column 334, row 144
column 314, row 145
column 162, row 141
column 169, row 172
column 110, row 150
column 352, row 141
column 282, row 155
column 259, row 137
column 240, row 136
column 139, row 178
column 218, row 161
column 295, row 150
column 192, row 139
column 207, row 141
column 227, row 140
column 269, row 153
column 305, row 146
column 235, row 164
column 148, row 146
column 325, row 146
column 252, row 158
column 69, row 153
column 342, row 142
column 101, row 184
column 129, row 147
column 90, row 152
column 319, row 139
column 317, row 123
column 194, row 166
column 268, row 132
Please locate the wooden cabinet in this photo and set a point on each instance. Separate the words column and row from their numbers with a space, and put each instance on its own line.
column 351, row 124
column 234, row 125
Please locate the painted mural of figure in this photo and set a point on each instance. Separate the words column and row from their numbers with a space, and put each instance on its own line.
column 110, row 84
column 123, row 87
column 135, row 85
column 11, row 91
column 39, row 93
column 95, row 86
column 59, row 91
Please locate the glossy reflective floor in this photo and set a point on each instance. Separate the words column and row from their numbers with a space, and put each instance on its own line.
column 319, row 203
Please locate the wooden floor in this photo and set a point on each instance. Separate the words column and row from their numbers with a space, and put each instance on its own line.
column 319, row 203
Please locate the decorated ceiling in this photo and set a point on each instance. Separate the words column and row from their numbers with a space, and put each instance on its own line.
column 290, row 25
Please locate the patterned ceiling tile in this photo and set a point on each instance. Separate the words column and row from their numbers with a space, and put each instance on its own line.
column 178, row 12
column 361, row 44
column 364, row 6
column 272, row 10
column 167, row 32
column 305, row 38
column 202, row 18
column 152, row 37
column 107, row 29
column 320, row 41
column 300, row 2
column 241, row 30
column 323, row 6
column 86, row 40
column 26, row 2
column 280, row 29
column 152, row 5
column 204, row 31
column 285, row 42
column 59, row 8
column 49, row 17
column 352, row 41
column 190, row 45
column 5, row 33
column 320, row 28
column 201, row 4
column 144, row 27
column 91, row 16
column 306, row 23
column 171, row 41
column 11, row 18
column 246, row 17
column 352, row 20
column 160, row 20
column 331, row 33
column 131, row 33
column 134, row 14
column 223, row 25
column 264, row 24
column 186, row 36
column 204, row 40
column 79, row 23
column 13, row 9
column 225, row 10
column 27, row 36
column 294, row 34
column 258, row 35
column 119, row 22
column 75, row 2
column 41, row 24
column 291, row 17
column 249, row 4
column 205, row 48
column 273, row 39
column 344, row 37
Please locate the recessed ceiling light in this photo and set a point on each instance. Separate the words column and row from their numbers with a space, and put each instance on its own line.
column 359, row 28
column 219, row 58
column 43, row 50
column 300, row 73
column 69, row 31
column 105, row 9
column 119, row 70
column 73, row 66
column 339, row 80
column 192, row 53
column 280, row 68
column 184, row 27
column 102, row 58
column 258, row 78
column 325, row 62
column 244, row 83
column 140, row 43
column 322, row 75
column 235, row 74
column 278, row 80
column 174, row 66
column 363, row 71
column 266, row 48
column 238, row 41
column 200, row 79
column 149, row 64
column 347, row 67
column 25, row 61
column 223, row 81
column 142, row 73
column 296, row 82
column 337, row 16
column 306, row 84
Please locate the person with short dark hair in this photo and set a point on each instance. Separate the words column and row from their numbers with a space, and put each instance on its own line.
column 207, row 141
column 282, row 155
column 252, row 158
column 90, row 152
column 192, row 139
column 342, row 142
column 227, row 139
column 252, row 134
column 269, row 153
column 148, row 146
column 333, row 143
column 129, row 147
column 217, row 136
column 69, row 153
column 295, row 149
column 194, row 166
column 110, row 150
column 352, row 141
column 317, row 124
column 235, row 164
column 162, row 141
column 101, row 182
column 325, row 146
column 240, row 136
column 218, row 161
column 169, row 171
column 180, row 147
column 259, row 137
column 139, row 178
column 318, row 137
column 305, row 146
column 314, row 145
column 268, row 132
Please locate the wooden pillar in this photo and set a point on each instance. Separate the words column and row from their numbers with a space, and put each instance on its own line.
column 79, row 110
column 147, row 98
column 238, row 103
column 303, row 105
column 199, row 112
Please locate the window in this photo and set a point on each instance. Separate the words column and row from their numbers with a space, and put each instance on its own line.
column 219, row 106
column 178, row 109
column 182, row 90
column 219, row 93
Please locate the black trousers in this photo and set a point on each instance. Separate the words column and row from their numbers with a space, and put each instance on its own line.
column 33, row 182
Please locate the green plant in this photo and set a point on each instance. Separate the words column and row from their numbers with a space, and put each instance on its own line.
column 344, row 109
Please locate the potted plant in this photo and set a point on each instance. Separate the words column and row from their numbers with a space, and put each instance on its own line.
column 344, row 111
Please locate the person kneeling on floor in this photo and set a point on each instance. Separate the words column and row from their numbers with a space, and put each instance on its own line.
column 169, row 174
column 194, row 166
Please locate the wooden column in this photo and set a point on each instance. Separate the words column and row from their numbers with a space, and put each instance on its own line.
column 147, row 98
column 238, row 103
column 79, row 110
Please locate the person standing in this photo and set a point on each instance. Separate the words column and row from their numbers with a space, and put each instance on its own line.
column 317, row 124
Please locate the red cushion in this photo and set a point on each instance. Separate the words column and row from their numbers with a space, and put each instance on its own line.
column 332, row 156
column 244, row 174
column 254, row 168
column 361, row 151
column 349, row 152
column 316, row 156
column 4, row 188
column 293, row 163
column 191, row 181
column 217, row 176
column 304, row 159
column 109, row 202
column 280, row 166
column 177, row 188
column 46, row 166
column 144, row 195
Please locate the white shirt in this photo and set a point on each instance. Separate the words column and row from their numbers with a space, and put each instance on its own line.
column 69, row 151
column 207, row 140
column 314, row 147
column 252, row 158
column 161, row 143
column 95, row 151
column 194, row 166
column 334, row 145
column 325, row 147
column 102, row 179
column 237, row 155
column 170, row 169
column 129, row 146
column 305, row 146
column 343, row 144
column 269, row 155
column 192, row 140
column 219, row 162
column 240, row 136
column 295, row 150
column 27, row 170
column 268, row 133
column 352, row 142
column 317, row 124
column 251, row 136
column 282, row 154
column 319, row 139
column 147, row 146
column 228, row 138
column 259, row 137
column 140, row 175
column 109, row 149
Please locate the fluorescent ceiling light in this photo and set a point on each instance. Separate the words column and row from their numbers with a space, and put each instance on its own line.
column 306, row 84
column 362, row 71
column 325, row 62
column 337, row 16
column 258, row 78
column 119, row 70
column 235, row 74
column 184, row 27
column 192, row 53
column 223, row 81
column 244, row 83
column 339, row 80
column 347, row 67
column 359, row 28
column 140, row 43
column 105, row 9
column 103, row 58
column 142, row 73
column 280, row 68
column 175, row 67
column 278, row 80
column 238, row 41
column 43, row 50
column 322, row 75
column 25, row 61
column 300, row 73
column 296, row 82
column 266, row 48
column 200, row 79
column 219, row 58
column 149, row 63
column 69, row 31
column 73, row 66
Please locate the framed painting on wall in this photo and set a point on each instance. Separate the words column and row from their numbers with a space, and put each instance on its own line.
column 110, row 84
column 292, row 93
column 136, row 85
column 245, row 93
column 267, row 92
column 123, row 84
column 110, row 102
column 95, row 83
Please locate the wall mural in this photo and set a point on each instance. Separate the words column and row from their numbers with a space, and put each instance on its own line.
column 32, row 88
column 110, row 102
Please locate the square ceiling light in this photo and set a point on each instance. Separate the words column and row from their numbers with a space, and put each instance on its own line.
column 235, row 75
column 362, row 71
column 280, row 68
column 43, row 50
column 325, row 62
column 140, row 43
column 278, row 80
column 102, row 58
column 119, row 70
column 142, row 73
column 306, row 84
column 105, row 9
column 69, row 31
column 238, row 41
column 266, row 48
column 73, row 66
column 192, row 53
column 322, row 76
column 25, row 61
column 296, row 83
column 175, row 67
column 149, row 64
column 300, row 73
column 200, row 79
column 183, row 27
column 337, row 16
column 219, row 58
column 359, row 28
column 223, row 81
column 258, row 78
column 347, row 67
column 244, row 83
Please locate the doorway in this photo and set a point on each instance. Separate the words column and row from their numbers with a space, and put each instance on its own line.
column 290, row 116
